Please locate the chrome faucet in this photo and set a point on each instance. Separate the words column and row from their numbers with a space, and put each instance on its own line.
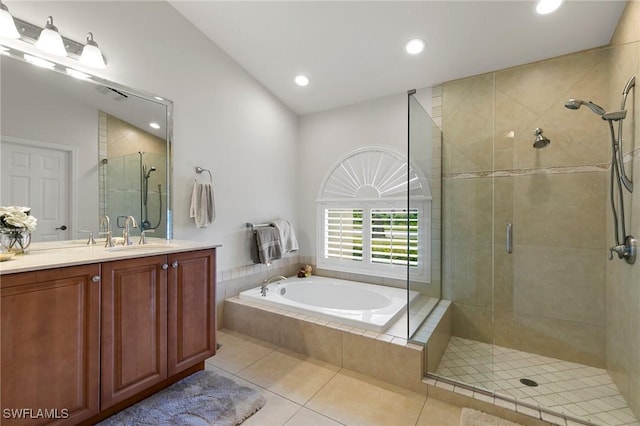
column 143, row 235
column 90, row 241
column 109, row 236
column 264, row 289
column 129, row 222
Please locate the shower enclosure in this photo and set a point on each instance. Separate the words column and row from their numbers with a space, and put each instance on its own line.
column 135, row 187
column 539, row 315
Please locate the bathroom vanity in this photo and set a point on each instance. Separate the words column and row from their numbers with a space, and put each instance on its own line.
column 88, row 331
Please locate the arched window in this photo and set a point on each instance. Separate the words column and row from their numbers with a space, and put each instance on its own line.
column 365, row 225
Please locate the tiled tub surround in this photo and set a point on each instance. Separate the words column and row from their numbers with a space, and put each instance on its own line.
column 359, row 350
column 383, row 357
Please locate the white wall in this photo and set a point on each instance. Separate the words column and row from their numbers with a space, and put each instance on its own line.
column 327, row 136
column 224, row 120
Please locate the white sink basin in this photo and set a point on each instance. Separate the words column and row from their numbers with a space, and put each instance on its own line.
column 141, row 247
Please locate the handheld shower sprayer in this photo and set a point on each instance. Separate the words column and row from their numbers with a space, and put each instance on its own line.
column 577, row 103
column 626, row 245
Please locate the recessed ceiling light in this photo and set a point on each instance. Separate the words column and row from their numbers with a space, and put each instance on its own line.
column 415, row 46
column 545, row 7
column 154, row 125
column 301, row 80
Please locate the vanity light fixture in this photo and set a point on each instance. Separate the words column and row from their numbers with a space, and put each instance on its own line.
column 91, row 54
column 301, row 80
column 50, row 40
column 154, row 125
column 415, row 46
column 544, row 7
column 7, row 25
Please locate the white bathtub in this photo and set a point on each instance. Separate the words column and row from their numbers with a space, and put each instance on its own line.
column 366, row 306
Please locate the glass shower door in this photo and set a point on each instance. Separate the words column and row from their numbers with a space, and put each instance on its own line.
column 424, row 213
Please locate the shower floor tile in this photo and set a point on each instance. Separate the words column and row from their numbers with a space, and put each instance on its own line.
column 575, row 390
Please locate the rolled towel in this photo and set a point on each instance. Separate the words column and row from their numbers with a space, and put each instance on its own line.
column 202, row 204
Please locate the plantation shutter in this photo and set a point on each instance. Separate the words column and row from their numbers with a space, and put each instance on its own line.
column 394, row 236
column 343, row 233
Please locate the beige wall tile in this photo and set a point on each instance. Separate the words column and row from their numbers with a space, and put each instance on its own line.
column 566, row 340
column 375, row 357
column 311, row 339
column 560, row 282
column 437, row 343
column 563, row 210
column 628, row 29
column 251, row 321
column 472, row 322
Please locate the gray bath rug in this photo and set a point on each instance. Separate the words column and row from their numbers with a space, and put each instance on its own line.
column 204, row 398
column 471, row 417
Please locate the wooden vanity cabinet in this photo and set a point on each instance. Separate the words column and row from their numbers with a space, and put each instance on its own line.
column 134, row 327
column 192, row 316
column 50, row 345
column 158, row 319
column 91, row 340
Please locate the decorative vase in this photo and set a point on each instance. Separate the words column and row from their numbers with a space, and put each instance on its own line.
column 15, row 240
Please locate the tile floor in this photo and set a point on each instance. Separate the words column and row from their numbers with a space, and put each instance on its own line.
column 307, row 392
column 576, row 390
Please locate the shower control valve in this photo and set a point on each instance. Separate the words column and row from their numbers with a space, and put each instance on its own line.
column 627, row 251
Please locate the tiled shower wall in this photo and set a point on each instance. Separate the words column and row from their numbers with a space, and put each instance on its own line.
column 548, row 296
column 556, row 294
column 623, row 281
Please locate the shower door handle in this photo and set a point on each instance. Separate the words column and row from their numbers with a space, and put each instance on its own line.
column 509, row 238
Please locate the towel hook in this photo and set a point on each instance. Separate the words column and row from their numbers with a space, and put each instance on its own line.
column 199, row 170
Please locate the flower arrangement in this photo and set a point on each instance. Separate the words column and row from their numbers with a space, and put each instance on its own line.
column 18, row 218
column 16, row 226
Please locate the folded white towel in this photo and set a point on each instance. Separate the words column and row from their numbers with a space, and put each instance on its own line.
column 287, row 235
column 203, row 208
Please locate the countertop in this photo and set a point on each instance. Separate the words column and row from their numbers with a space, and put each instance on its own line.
column 76, row 252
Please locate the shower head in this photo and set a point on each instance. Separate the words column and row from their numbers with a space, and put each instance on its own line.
column 541, row 141
column 152, row 169
column 577, row 103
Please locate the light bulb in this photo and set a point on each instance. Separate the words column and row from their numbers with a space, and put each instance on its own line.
column 50, row 40
column 91, row 54
column 7, row 25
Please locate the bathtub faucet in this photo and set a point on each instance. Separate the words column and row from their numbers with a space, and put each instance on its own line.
column 265, row 283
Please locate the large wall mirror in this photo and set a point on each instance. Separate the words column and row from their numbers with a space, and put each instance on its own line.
column 76, row 148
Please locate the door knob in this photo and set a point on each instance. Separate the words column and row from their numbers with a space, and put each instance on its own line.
column 62, row 228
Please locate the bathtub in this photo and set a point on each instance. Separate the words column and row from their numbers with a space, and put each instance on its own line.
column 366, row 306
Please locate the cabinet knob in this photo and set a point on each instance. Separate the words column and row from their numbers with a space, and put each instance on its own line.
column 165, row 266
column 174, row 264
column 95, row 278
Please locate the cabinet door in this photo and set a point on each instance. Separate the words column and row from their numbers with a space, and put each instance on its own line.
column 191, row 334
column 50, row 345
column 134, row 327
